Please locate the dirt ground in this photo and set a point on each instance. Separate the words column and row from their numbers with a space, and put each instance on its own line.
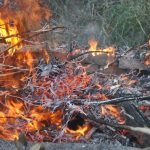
column 7, row 145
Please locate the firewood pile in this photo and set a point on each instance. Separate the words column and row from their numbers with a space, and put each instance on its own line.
column 88, row 95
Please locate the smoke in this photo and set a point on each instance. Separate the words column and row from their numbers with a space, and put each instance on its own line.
column 26, row 14
column 92, row 30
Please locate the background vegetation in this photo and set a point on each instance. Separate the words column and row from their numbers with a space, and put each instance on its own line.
column 120, row 22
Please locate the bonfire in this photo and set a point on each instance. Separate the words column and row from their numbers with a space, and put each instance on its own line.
column 52, row 95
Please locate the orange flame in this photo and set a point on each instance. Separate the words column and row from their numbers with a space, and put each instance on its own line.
column 93, row 47
column 15, row 118
column 149, row 42
column 7, row 30
column 23, row 16
column 110, row 110
column 81, row 131
column 113, row 111
column 19, row 21
column 147, row 59
column 27, row 14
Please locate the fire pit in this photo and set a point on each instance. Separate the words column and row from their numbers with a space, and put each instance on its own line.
column 55, row 96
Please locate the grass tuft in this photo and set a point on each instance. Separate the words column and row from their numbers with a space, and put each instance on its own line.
column 120, row 22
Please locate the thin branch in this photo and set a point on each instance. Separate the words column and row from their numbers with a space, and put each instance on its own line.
column 37, row 32
column 110, row 101
column 97, row 122
column 88, row 52
column 12, row 73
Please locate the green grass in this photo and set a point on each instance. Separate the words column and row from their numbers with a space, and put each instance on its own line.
column 120, row 22
column 127, row 23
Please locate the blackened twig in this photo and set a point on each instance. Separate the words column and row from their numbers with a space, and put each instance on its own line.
column 97, row 122
column 110, row 101
column 84, row 53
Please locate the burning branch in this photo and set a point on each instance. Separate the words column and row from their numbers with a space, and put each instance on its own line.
column 88, row 52
column 37, row 32
column 97, row 122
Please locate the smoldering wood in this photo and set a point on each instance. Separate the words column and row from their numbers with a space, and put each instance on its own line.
column 139, row 120
column 98, row 59
column 98, row 121
column 111, row 101
column 130, row 59
column 134, row 60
